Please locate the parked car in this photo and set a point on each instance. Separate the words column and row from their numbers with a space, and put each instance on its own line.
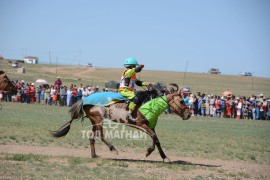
column 214, row 71
column 14, row 65
column 89, row 65
column 246, row 74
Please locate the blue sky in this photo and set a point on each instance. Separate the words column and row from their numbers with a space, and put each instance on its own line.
column 232, row 35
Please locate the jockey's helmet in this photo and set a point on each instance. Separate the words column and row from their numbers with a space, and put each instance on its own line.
column 130, row 61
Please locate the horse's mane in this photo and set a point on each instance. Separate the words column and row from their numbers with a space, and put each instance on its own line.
column 153, row 91
column 161, row 88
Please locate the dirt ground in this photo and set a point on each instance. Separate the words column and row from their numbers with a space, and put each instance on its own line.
column 254, row 171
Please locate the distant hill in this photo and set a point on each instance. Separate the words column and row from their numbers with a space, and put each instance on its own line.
column 205, row 83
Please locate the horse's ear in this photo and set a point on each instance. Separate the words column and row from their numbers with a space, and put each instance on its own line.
column 174, row 85
column 174, row 89
column 5, row 75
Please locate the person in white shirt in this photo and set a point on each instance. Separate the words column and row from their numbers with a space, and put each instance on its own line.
column 191, row 104
column 84, row 92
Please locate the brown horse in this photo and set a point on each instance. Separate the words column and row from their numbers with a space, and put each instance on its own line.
column 118, row 113
column 6, row 84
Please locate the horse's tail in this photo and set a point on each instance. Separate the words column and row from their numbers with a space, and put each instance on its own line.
column 76, row 112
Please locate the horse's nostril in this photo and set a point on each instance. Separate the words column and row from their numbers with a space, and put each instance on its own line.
column 187, row 117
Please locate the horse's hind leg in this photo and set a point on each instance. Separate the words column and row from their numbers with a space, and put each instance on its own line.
column 92, row 142
column 98, row 132
column 96, row 120
column 101, row 134
column 111, row 147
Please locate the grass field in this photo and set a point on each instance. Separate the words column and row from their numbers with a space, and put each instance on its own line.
column 200, row 148
column 214, row 142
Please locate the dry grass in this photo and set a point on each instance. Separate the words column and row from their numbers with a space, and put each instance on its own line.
column 206, row 83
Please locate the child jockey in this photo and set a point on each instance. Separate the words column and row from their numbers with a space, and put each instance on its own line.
column 128, row 81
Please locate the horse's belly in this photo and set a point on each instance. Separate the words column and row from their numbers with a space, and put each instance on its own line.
column 99, row 109
column 117, row 114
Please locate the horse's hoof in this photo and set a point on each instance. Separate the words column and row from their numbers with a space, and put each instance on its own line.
column 167, row 160
column 115, row 151
column 149, row 151
column 95, row 156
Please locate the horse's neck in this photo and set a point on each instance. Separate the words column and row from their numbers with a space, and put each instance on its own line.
column 7, row 86
column 2, row 84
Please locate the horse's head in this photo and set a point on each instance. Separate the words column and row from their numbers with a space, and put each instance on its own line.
column 174, row 98
column 6, row 84
column 177, row 104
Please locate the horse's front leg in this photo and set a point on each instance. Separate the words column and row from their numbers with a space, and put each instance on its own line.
column 151, row 148
column 156, row 143
column 142, row 124
column 160, row 150
column 152, row 134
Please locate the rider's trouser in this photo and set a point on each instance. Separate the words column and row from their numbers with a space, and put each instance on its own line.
column 130, row 96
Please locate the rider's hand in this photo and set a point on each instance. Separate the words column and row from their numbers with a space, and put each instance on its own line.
column 141, row 66
column 148, row 84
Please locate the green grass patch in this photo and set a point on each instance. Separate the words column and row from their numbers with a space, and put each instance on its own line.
column 75, row 160
column 12, row 137
column 252, row 157
column 24, row 157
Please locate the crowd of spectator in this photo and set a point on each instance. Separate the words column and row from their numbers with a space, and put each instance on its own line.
column 45, row 94
column 226, row 106
column 255, row 107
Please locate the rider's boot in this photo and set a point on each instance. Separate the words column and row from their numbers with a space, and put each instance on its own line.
column 131, row 107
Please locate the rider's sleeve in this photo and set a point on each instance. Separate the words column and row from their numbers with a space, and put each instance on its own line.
column 140, row 83
column 138, row 69
column 129, row 73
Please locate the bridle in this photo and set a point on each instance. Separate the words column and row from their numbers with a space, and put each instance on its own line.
column 178, row 109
